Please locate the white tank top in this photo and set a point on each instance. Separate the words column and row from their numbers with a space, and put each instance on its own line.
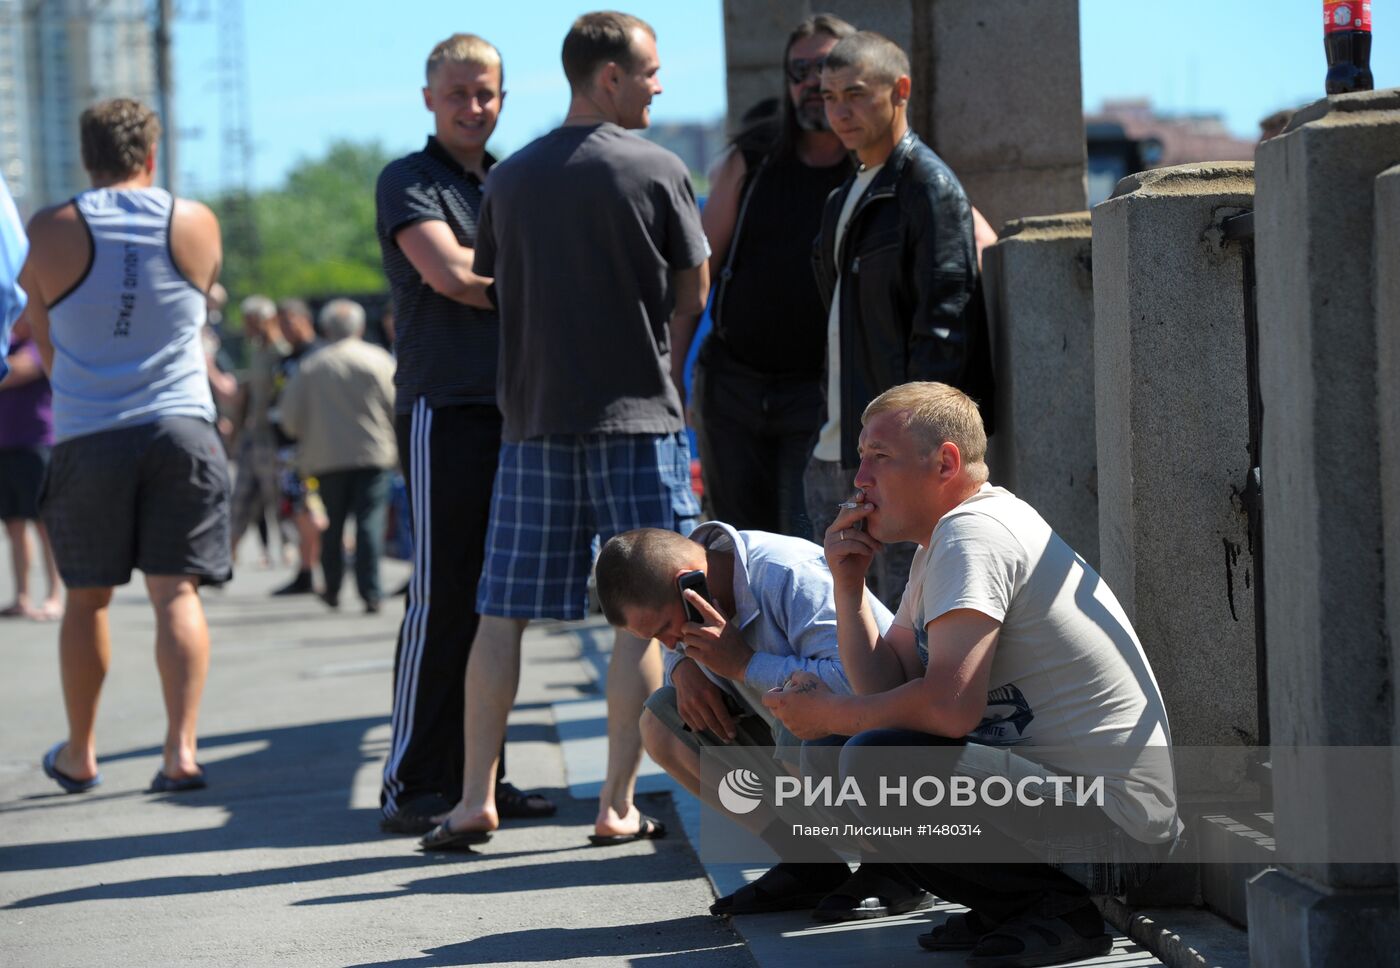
column 126, row 338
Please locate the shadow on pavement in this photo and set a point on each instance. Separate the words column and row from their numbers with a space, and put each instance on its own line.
column 291, row 789
column 542, row 876
column 653, row 944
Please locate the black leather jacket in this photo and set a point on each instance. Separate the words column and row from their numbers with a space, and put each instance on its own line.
column 911, row 299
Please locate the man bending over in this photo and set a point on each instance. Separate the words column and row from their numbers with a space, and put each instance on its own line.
column 770, row 615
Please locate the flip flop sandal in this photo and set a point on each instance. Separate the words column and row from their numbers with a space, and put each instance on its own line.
column 443, row 837
column 1032, row 942
column 650, row 829
column 872, row 892
column 70, row 784
column 415, row 816
column 514, row 804
column 781, row 889
column 960, row 932
column 162, row 783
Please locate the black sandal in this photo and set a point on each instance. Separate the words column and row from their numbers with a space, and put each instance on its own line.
column 1032, row 942
column 960, row 932
column 873, row 891
column 786, row 887
column 514, row 804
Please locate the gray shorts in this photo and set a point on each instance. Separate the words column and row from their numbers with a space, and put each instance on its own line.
column 153, row 497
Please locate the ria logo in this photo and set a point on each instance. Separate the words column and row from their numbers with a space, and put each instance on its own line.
column 741, row 791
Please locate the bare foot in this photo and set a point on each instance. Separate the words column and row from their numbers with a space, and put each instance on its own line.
column 180, row 763
column 79, row 768
column 50, row 611
column 459, row 819
column 611, row 824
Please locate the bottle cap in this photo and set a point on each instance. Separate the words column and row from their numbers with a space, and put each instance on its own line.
column 1346, row 15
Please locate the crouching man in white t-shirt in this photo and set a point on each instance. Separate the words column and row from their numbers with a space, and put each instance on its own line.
column 1010, row 654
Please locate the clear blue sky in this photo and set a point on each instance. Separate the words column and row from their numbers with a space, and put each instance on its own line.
column 315, row 75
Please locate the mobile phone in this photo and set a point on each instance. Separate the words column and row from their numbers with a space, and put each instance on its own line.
column 695, row 580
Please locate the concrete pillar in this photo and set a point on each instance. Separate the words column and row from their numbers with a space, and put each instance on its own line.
column 1040, row 295
column 1330, row 671
column 1005, row 107
column 996, row 88
column 754, row 34
column 1172, row 414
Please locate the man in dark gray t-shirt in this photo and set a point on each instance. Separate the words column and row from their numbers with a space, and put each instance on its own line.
column 593, row 238
column 583, row 230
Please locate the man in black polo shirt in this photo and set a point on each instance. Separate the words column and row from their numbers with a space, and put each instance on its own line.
column 448, row 427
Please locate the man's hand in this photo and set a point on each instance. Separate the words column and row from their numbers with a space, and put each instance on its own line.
column 802, row 705
column 850, row 549
column 700, row 702
column 716, row 644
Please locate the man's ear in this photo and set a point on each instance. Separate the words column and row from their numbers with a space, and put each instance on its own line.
column 149, row 166
column 428, row 98
column 610, row 78
column 950, row 460
column 902, row 87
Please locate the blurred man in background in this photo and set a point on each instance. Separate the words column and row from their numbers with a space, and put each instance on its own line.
column 340, row 408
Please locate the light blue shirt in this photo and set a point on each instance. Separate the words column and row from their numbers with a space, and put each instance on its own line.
column 783, row 607
column 14, row 246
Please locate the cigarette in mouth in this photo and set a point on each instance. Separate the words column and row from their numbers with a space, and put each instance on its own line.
column 847, row 505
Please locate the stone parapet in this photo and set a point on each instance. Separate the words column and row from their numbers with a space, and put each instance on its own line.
column 1172, row 416
column 1005, row 108
column 1330, row 664
column 1387, row 269
column 1040, row 293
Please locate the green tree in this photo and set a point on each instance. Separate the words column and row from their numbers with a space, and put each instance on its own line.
column 312, row 237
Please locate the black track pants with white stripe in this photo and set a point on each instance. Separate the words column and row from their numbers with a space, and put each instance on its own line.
column 448, row 456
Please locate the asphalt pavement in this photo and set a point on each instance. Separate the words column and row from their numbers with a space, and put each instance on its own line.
column 280, row 861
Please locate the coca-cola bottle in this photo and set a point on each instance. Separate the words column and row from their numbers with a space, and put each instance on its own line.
column 1346, row 28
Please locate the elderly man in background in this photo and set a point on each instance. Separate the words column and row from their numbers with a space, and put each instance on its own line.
column 340, row 408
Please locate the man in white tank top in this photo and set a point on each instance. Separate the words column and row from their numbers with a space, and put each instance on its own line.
column 117, row 279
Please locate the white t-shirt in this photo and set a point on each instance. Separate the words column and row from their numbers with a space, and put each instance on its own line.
column 1068, row 671
column 829, row 441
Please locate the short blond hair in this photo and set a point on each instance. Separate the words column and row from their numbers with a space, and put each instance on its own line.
column 465, row 49
column 936, row 414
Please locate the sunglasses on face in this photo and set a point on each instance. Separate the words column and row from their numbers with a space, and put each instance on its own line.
column 804, row 67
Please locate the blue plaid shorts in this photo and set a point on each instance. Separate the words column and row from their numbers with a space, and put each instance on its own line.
column 557, row 497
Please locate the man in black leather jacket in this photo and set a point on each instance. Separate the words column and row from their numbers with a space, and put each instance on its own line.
column 896, row 264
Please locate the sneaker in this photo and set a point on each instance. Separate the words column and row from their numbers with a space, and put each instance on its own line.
column 300, row 585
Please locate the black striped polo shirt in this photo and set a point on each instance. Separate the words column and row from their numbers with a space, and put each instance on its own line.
column 446, row 350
